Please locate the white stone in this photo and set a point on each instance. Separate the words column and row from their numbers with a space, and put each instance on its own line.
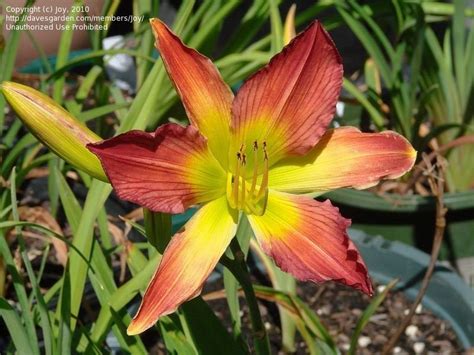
column 419, row 309
column 419, row 347
column 364, row 341
column 397, row 350
column 324, row 310
column 381, row 288
column 340, row 106
column 411, row 331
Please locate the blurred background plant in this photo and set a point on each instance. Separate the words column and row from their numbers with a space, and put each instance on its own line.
column 78, row 296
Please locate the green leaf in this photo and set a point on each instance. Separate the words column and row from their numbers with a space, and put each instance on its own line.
column 64, row 339
column 208, row 333
column 88, row 82
column 18, row 284
column 12, row 157
column 252, row 21
column 374, row 27
column 302, row 315
column 443, row 9
column 204, row 32
column 42, row 228
column 105, row 234
column 147, row 9
column 15, row 328
column 281, row 281
column 102, row 278
column 375, row 115
column 368, row 312
column 83, row 240
column 458, row 35
column 446, row 79
column 158, row 229
column 174, row 338
column 369, row 43
column 12, row 134
column 63, row 50
column 45, row 321
column 276, row 27
column 231, row 285
column 8, row 57
column 119, row 98
column 123, row 295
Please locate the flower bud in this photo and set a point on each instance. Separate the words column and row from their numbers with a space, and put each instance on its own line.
column 55, row 127
column 289, row 30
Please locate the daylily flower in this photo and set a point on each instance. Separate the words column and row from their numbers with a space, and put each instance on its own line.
column 257, row 154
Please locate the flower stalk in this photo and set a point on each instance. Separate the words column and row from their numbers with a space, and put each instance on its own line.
column 238, row 268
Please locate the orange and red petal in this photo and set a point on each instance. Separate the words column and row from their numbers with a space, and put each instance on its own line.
column 290, row 102
column 345, row 157
column 166, row 171
column 187, row 262
column 205, row 96
column 309, row 240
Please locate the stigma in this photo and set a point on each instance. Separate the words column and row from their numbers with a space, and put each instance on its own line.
column 247, row 185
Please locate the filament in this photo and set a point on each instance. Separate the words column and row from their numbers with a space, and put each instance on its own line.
column 264, row 183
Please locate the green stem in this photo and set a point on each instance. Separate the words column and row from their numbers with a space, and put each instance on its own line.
column 238, row 268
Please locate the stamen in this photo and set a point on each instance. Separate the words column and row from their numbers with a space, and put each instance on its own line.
column 255, row 169
column 264, row 183
column 243, row 192
column 242, row 175
column 235, row 187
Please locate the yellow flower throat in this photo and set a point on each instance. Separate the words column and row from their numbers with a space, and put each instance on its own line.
column 249, row 196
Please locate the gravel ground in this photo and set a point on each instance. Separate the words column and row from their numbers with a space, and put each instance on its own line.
column 339, row 309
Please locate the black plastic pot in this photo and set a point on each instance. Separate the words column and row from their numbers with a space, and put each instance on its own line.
column 410, row 219
column 447, row 296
